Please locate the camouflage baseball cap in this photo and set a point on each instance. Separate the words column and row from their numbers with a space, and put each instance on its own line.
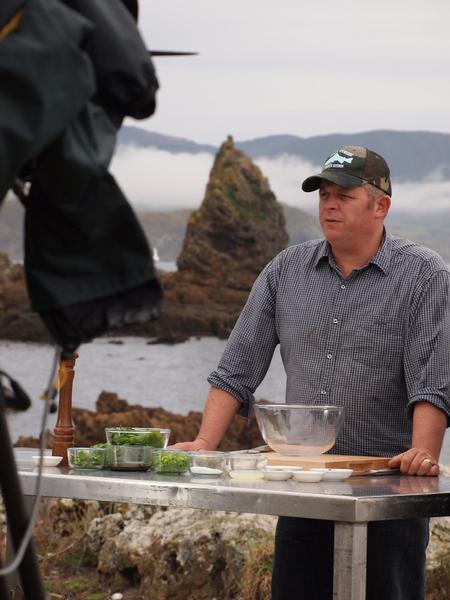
column 352, row 166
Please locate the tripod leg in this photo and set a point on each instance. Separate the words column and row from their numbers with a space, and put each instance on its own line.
column 17, row 518
column 4, row 589
column 12, row 581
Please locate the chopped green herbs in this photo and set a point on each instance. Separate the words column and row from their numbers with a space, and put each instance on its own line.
column 171, row 462
column 131, row 438
column 86, row 459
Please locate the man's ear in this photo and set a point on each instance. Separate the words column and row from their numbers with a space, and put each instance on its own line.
column 382, row 206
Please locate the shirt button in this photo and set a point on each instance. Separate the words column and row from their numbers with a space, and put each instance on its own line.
column 323, row 392
column 342, row 287
column 329, row 356
column 335, row 320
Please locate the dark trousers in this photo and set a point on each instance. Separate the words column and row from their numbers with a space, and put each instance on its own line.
column 303, row 562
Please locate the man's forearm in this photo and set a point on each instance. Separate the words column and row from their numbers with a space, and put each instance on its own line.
column 429, row 424
column 220, row 409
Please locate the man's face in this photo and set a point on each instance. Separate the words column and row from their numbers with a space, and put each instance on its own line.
column 346, row 215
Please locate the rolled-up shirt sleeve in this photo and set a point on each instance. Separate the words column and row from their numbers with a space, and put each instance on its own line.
column 427, row 347
column 248, row 353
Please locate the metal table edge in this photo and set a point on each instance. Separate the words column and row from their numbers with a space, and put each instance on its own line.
column 200, row 495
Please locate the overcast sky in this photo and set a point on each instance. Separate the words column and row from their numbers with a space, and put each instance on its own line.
column 301, row 67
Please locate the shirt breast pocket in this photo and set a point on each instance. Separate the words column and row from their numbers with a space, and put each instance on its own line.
column 379, row 344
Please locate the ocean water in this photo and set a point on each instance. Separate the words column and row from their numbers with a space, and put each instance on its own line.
column 171, row 376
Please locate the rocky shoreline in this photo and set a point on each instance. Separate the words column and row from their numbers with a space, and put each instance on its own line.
column 112, row 411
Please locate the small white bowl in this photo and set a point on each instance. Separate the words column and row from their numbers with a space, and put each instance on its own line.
column 47, row 461
column 283, row 468
column 334, row 474
column 307, row 476
column 277, row 475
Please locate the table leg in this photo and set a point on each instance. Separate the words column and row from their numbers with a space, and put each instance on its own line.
column 350, row 553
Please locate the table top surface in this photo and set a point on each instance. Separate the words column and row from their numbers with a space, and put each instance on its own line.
column 357, row 499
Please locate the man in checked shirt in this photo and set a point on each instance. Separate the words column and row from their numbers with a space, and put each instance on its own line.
column 362, row 319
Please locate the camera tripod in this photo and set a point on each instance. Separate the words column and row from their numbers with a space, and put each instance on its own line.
column 16, row 515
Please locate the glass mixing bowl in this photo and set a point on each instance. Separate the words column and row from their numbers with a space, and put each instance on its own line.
column 299, row 429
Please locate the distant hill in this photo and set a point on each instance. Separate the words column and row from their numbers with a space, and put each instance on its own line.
column 145, row 139
column 166, row 230
column 431, row 229
column 412, row 155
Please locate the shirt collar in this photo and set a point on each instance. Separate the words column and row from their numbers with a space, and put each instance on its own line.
column 381, row 259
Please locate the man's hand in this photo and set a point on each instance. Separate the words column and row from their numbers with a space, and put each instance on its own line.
column 416, row 461
column 429, row 424
column 195, row 446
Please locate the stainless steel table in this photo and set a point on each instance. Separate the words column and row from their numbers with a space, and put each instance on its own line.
column 350, row 504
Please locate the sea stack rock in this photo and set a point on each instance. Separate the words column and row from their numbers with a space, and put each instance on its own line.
column 238, row 228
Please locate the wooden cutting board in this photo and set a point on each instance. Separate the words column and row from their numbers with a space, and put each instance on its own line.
column 357, row 463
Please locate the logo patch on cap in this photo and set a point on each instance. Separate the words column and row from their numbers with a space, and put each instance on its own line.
column 339, row 159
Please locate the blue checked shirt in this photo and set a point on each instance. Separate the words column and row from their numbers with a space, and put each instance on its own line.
column 376, row 342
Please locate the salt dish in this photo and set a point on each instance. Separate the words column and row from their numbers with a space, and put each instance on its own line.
column 334, row 474
column 307, row 476
column 208, row 464
column 47, row 461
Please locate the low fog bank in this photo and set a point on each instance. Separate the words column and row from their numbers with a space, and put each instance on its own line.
column 158, row 180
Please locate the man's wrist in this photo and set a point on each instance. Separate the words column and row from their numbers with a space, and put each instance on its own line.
column 204, row 444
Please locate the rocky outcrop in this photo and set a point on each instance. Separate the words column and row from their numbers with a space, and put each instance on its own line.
column 154, row 552
column 17, row 320
column 238, row 228
column 112, row 411
column 179, row 553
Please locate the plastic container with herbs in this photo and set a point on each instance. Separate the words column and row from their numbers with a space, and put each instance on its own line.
column 86, row 458
column 128, row 458
column 171, row 461
column 137, row 436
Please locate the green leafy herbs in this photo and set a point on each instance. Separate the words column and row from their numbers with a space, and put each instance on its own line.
column 171, row 462
column 84, row 459
column 131, row 438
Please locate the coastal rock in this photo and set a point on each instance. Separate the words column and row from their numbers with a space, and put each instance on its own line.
column 112, row 411
column 238, row 228
column 179, row 553
column 145, row 552
column 17, row 320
